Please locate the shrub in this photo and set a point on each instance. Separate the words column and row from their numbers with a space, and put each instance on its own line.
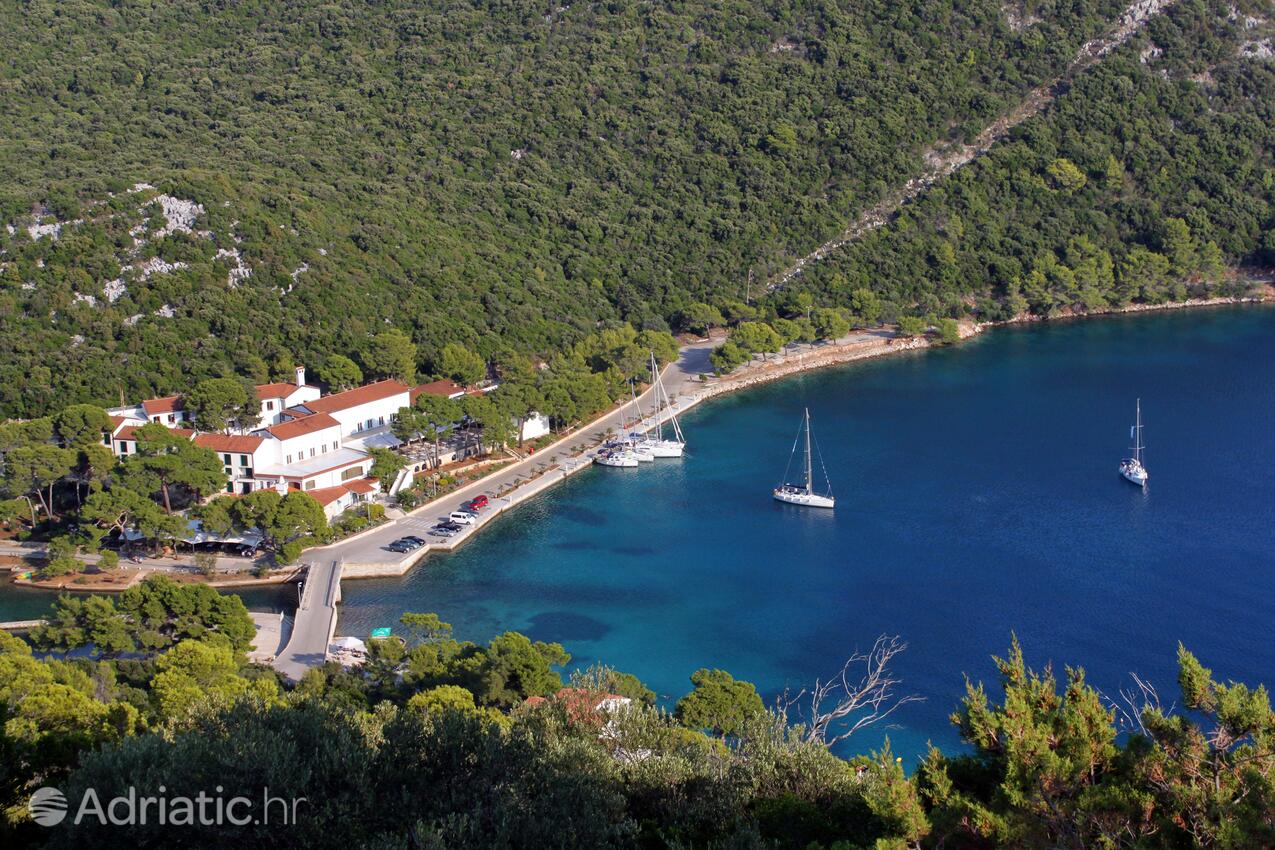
column 911, row 326
column 206, row 563
column 109, row 560
column 288, row 552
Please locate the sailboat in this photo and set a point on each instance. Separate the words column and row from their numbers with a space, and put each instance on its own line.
column 654, row 440
column 804, row 494
column 633, row 441
column 1132, row 467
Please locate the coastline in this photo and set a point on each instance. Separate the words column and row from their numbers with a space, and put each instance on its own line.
column 573, row 452
column 863, row 345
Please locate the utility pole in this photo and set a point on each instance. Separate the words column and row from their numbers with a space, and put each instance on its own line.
column 748, row 292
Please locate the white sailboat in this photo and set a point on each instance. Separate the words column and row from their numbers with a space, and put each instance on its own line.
column 616, row 457
column 1132, row 468
column 634, row 441
column 655, row 441
column 804, row 494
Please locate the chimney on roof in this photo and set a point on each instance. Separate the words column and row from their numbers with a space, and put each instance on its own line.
column 300, row 376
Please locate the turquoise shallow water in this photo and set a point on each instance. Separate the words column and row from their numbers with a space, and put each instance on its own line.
column 977, row 496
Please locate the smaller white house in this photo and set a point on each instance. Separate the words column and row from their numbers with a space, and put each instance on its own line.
column 276, row 398
column 341, row 497
column 166, row 411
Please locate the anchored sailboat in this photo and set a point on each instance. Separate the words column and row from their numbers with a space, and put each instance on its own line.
column 1132, row 468
column 804, row 494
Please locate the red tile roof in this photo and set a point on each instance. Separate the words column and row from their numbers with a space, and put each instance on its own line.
column 444, row 388
column 360, row 485
column 167, row 404
column 228, row 442
column 127, row 432
column 359, row 395
column 326, row 495
column 304, row 425
column 275, row 390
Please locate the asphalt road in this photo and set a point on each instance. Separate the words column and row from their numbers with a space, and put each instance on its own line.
column 369, row 548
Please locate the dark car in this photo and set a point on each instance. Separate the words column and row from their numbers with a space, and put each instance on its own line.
column 411, row 542
column 400, row 547
column 412, row 538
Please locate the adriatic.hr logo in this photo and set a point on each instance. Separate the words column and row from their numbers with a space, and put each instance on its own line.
column 47, row 806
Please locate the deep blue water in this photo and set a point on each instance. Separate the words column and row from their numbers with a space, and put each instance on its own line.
column 977, row 496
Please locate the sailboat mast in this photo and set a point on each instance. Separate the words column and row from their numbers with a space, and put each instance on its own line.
column 1137, row 442
column 655, row 387
column 810, row 479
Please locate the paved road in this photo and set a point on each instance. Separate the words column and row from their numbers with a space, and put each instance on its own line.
column 315, row 621
column 369, row 548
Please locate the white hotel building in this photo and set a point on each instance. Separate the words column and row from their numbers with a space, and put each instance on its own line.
column 303, row 439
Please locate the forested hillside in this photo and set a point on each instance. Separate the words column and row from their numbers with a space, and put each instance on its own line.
column 478, row 173
column 1143, row 182
column 506, row 176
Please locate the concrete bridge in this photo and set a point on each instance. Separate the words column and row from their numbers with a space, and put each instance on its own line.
column 315, row 621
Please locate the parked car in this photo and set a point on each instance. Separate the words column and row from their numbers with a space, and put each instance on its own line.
column 399, row 546
column 477, row 503
column 440, row 531
column 463, row 517
column 412, row 542
column 412, row 538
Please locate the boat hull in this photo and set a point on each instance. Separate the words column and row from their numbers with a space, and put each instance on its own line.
column 1134, row 474
column 665, row 448
column 625, row 461
column 804, row 499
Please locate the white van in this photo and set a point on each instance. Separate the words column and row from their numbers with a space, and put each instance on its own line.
column 462, row 517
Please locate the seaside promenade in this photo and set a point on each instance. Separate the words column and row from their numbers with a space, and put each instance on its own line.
column 364, row 555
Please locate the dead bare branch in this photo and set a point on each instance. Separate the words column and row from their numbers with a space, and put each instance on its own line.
column 864, row 692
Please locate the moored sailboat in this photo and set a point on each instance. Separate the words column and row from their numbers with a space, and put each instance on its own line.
column 1133, row 468
column 655, row 441
column 804, row 494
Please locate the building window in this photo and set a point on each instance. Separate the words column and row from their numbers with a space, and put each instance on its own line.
column 229, row 472
column 381, row 421
column 358, row 427
column 225, row 459
column 171, row 418
column 311, row 452
column 230, row 487
column 309, row 485
column 334, row 445
column 324, row 448
column 243, row 460
column 123, row 448
column 352, row 472
column 270, row 405
column 289, row 460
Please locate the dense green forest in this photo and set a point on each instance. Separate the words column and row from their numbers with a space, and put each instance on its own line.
column 506, row 178
column 484, row 174
column 1143, row 182
column 439, row 743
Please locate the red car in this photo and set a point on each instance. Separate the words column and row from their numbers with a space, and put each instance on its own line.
column 478, row 502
